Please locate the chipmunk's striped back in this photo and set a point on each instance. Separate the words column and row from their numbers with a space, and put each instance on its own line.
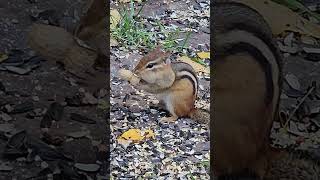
column 246, row 85
column 184, row 70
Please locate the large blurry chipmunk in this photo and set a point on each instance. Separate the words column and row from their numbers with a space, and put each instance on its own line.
column 247, row 81
column 246, row 84
column 174, row 83
column 84, row 53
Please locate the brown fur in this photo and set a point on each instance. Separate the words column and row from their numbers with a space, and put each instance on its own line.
column 183, row 101
column 94, row 21
column 163, row 82
column 154, row 54
column 239, row 103
column 246, row 83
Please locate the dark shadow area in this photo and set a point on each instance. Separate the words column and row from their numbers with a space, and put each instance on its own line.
column 54, row 89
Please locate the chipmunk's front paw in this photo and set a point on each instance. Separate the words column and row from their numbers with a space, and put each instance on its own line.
column 170, row 119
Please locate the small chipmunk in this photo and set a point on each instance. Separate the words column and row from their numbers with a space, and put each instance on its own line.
column 174, row 83
column 246, row 84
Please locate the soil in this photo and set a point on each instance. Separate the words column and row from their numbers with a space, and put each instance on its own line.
column 47, row 83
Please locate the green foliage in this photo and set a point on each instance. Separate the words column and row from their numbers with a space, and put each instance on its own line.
column 131, row 31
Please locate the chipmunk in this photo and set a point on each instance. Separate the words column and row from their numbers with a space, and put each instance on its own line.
column 246, row 83
column 174, row 83
column 83, row 52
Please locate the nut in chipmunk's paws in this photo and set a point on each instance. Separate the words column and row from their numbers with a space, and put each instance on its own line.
column 125, row 74
column 128, row 76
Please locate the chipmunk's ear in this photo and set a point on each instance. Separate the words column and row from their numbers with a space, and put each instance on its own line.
column 166, row 57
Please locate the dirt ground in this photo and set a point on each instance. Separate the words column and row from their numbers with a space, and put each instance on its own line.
column 27, row 104
column 179, row 150
column 70, row 138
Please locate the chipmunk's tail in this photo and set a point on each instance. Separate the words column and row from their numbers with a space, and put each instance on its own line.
column 200, row 115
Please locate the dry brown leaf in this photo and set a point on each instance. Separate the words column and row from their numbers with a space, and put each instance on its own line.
column 196, row 66
column 289, row 21
column 114, row 18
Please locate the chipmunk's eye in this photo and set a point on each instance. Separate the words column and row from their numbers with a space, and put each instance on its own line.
column 151, row 65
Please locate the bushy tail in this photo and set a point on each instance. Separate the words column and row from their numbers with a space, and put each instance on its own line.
column 200, row 115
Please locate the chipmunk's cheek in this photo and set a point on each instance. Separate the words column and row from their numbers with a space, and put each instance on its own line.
column 147, row 78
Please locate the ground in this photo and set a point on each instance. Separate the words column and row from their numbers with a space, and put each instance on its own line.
column 80, row 140
column 180, row 150
column 47, row 82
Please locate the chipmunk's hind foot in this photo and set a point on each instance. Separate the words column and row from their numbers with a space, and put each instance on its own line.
column 170, row 119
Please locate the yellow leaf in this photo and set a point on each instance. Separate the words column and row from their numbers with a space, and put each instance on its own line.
column 114, row 18
column 149, row 134
column 196, row 66
column 3, row 57
column 132, row 134
column 204, row 55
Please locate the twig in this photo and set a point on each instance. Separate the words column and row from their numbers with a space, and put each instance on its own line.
column 297, row 107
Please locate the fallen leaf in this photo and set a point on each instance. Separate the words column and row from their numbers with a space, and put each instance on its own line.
column 114, row 18
column 6, row 127
column 87, row 167
column 308, row 40
column 149, row 134
column 78, row 134
column 288, row 49
column 196, row 66
column 293, row 81
column 288, row 39
column 204, row 55
column 132, row 134
column 311, row 50
column 289, row 21
column 3, row 57
column 5, row 167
